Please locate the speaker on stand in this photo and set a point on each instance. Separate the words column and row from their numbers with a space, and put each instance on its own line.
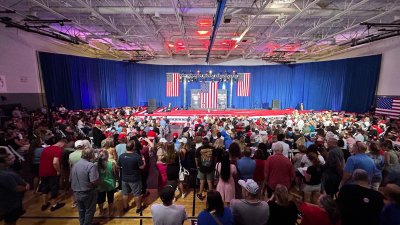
column 276, row 105
column 152, row 105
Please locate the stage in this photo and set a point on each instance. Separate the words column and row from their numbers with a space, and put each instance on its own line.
column 180, row 116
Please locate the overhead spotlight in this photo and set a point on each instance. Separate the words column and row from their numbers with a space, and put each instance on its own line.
column 92, row 17
column 227, row 19
column 156, row 16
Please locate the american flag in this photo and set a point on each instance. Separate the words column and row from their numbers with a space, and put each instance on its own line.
column 243, row 85
column 209, row 94
column 389, row 106
column 172, row 84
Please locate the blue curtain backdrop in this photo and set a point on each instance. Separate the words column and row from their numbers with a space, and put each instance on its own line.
column 84, row 83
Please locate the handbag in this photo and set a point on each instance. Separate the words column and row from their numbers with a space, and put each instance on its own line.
column 182, row 171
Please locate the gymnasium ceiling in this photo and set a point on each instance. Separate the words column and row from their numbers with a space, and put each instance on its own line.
column 281, row 31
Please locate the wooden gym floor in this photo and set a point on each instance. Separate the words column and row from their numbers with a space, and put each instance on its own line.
column 69, row 216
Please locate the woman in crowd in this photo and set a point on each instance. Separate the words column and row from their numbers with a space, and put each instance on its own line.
column 312, row 177
column 379, row 162
column 258, row 175
column 282, row 211
column 325, row 212
column 220, row 148
column 172, row 161
column 161, row 166
column 108, row 173
column 226, row 182
column 108, row 145
column 215, row 212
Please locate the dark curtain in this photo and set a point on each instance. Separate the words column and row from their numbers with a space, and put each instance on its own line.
column 84, row 83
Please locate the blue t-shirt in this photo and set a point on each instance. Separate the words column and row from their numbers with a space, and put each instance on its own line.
column 121, row 149
column 361, row 161
column 205, row 218
column 246, row 167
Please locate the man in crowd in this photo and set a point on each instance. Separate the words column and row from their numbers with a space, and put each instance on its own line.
column 249, row 210
column 246, row 165
column 131, row 163
column 12, row 189
column 98, row 134
column 205, row 163
column 75, row 156
column 84, row 180
column 49, row 172
column 358, row 203
column 285, row 146
column 278, row 170
column 360, row 160
column 167, row 213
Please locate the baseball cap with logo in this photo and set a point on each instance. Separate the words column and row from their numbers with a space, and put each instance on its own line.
column 250, row 185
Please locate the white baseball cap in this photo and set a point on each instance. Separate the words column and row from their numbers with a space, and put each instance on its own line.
column 250, row 185
column 79, row 144
column 163, row 140
column 183, row 140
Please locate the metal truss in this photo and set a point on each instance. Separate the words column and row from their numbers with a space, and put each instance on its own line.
column 179, row 19
column 350, row 26
column 317, row 24
column 306, row 5
column 76, row 23
column 250, row 24
column 87, row 4
column 143, row 22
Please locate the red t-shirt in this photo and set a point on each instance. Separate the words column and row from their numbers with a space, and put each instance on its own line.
column 46, row 168
column 314, row 215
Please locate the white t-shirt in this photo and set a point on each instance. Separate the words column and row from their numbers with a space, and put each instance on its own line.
column 307, row 163
column 168, row 215
column 285, row 146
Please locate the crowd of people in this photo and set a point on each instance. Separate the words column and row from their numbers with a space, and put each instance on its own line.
column 309, row 167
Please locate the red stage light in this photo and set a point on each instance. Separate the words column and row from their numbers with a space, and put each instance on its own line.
column 179, row 43
column 171, row 45
column 204, row 23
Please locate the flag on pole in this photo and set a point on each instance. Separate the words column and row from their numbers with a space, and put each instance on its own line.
column 209, row 94
column 243, row 85
column 388, row 106
column 172, row 84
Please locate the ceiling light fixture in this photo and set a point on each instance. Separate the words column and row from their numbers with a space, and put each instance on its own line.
column 203, row 32
column 284, row 1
